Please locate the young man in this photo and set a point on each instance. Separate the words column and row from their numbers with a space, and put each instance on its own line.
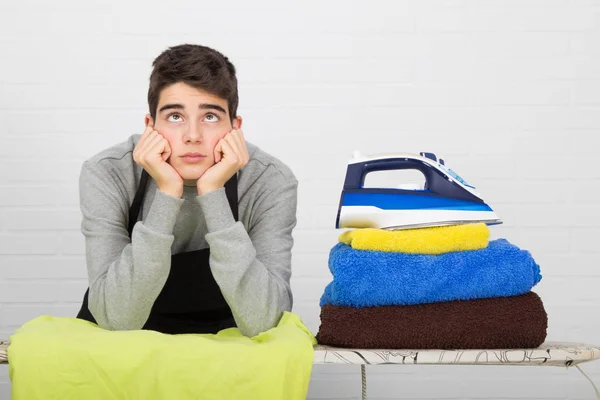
column 188, row 227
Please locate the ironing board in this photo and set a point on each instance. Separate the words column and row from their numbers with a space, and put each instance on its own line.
column 551, row 354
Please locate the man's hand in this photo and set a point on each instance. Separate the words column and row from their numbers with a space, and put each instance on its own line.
column 231, row 154
column 151, row 153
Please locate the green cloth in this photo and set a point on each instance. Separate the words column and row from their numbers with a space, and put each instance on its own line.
column 68, row 358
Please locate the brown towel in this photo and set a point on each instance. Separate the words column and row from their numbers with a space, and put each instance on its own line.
column 493, row 323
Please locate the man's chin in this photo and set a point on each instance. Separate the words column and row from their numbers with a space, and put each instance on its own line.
column 191, row 172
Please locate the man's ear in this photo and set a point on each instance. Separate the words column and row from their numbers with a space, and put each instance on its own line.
column 149, row 121
column 237, row 122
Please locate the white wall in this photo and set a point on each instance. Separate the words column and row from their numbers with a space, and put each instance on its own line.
column 507, row 91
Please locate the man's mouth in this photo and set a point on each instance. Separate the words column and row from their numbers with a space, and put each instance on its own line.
column 193, row 157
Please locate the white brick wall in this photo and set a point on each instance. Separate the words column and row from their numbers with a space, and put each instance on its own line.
column 508, row 91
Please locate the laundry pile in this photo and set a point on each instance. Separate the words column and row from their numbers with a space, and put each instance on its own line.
column 446, row 287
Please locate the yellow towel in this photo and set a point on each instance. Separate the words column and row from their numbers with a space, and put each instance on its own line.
column 54, row 358
column 434, row 240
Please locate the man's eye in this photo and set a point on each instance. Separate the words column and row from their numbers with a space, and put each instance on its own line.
column 212, row 118
column 174, row 118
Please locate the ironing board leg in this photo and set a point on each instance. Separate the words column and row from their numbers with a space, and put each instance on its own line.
column 363, row 374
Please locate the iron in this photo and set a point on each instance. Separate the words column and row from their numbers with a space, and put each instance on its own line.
column 444, row 199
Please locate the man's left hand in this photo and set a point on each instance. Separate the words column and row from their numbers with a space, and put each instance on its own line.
column 231, row 154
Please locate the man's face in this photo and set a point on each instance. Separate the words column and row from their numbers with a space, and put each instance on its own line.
column 192, row 121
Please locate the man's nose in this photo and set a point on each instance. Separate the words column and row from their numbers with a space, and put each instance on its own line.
column 194, row 133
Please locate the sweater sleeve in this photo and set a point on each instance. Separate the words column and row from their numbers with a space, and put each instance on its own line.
column 125, row 275
column 253, row 268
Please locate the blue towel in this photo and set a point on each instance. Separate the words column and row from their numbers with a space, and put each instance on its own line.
column 364, row 278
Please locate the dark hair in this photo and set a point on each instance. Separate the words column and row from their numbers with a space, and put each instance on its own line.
column 198, row 66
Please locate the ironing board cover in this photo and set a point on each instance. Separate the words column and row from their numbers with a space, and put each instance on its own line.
column 548, row 354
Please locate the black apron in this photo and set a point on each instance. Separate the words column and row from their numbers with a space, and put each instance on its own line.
column 191, row 300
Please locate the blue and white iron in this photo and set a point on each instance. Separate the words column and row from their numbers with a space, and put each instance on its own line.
column 445, row 199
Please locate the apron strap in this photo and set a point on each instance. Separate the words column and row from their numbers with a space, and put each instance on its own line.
column 231, row 190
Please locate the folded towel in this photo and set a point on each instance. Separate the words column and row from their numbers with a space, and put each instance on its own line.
column 436, row 240
column 363, row 278
column 73, row 359
column 497, row 323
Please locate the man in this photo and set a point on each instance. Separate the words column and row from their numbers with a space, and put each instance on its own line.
column 188, row 227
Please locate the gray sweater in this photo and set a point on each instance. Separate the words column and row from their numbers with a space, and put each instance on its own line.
column 250, row 259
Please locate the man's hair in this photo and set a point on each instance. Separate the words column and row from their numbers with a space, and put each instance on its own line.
column 198, row 66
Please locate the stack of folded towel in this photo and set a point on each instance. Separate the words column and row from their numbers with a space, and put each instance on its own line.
column 432, row 288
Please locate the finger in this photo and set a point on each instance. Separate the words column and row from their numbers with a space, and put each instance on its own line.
column 141, row 144
column 217, row 151
column 227, row 134
column 145, row 134
column 149, row 149
column 241, row 148
column 241, row 140
column 239, row 136
column 159, row 147
column 152, row 138
column 233, row 143
column 229, row 152
column 167, row 150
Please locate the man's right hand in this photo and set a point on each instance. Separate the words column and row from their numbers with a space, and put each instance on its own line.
column 152, row 153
